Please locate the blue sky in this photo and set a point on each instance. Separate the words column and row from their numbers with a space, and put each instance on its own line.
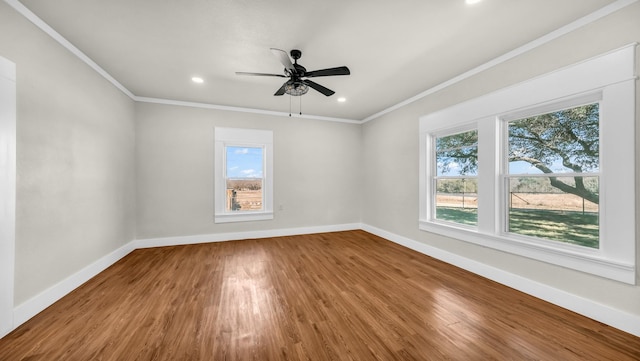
column 519, row 167
column 244, row 162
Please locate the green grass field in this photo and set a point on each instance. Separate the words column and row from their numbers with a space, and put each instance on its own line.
column 570, row 227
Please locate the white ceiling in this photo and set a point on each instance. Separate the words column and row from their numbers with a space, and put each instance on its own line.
column 395, row 49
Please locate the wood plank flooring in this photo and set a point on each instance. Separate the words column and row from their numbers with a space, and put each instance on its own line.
column 334, row 296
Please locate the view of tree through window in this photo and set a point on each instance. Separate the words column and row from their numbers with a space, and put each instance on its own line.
column 555, row 168
column 244, row 178
column 553, row 183
column 456, row 182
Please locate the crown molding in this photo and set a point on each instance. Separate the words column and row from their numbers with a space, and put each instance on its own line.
column 20, row 8
column 29, row 15
column 585, row 20
column 241, row 109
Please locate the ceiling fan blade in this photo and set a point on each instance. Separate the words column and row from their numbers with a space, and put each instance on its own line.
column 260, row 74
column 318, row 87
column 281, row 91
column 341, row 70
column 284, row 58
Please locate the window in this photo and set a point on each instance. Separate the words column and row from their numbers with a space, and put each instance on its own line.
column 553, row 165
column 244, row 178
column 243, row 175
column 552, row 179
column 456, row 184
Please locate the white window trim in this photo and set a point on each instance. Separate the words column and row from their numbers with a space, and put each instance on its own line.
column 7, row 193
column 247, row 138
column 610, row 76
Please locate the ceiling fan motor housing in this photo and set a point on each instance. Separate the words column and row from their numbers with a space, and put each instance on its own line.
column 299, row 69
column 295, row 54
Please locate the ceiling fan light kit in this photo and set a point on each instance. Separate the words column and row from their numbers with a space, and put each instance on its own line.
column 297, row 84
column 296, row 89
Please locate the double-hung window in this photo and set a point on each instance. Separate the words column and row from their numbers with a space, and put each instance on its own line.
column 544, row 169
column 455, row 178
column 243, row 175
column 551, row 181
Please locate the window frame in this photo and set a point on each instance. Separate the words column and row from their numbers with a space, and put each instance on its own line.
column 250, row 138
column 434, row 172
column 609, row 77
column 505, row 175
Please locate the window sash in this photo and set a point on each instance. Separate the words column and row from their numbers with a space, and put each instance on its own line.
column 537, row 231
column 548, row 217
column 553, row 107
column 464, row 205
column 227, row 178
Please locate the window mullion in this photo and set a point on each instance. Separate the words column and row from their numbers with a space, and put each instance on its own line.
column 488, row 200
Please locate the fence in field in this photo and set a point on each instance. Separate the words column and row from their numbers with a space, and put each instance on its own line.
column 551, row 201
column 522, row 200
column 244, row 200
column 457, row 200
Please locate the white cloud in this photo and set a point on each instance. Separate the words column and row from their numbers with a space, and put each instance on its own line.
column 251, row 173
column 242, row 151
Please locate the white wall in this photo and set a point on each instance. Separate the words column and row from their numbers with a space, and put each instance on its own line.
column 390, row 155
column 316, row 171
column 75, row 160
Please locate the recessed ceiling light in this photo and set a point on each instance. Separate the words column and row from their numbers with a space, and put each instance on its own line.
column 342, row 99
column 470, row 2
column 197, row 79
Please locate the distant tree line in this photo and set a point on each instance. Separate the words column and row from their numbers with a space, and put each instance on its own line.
column 544, row 184
column 457, row 186
column 245, row 184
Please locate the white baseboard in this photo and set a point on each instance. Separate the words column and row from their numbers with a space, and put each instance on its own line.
column 38, row 303
column 613, row 317
column 619, row 319
column 221, row 237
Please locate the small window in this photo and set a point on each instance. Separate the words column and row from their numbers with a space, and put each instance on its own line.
column 553, row 176
column 244, row 178
column 243, row 175
column 455, row 181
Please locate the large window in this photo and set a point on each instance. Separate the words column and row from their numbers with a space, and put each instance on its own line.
column 243, row 175
column 544, row 169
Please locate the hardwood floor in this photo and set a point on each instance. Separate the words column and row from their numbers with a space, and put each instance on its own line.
column 335, row 296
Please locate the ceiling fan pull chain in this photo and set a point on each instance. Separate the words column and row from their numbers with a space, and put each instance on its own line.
column 300, row 107
column 289, row 105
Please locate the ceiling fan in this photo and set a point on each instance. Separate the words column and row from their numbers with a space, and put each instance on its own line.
column 297, row 85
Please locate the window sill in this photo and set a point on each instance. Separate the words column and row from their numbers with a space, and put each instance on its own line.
column 243, row 217
column 568, row 256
